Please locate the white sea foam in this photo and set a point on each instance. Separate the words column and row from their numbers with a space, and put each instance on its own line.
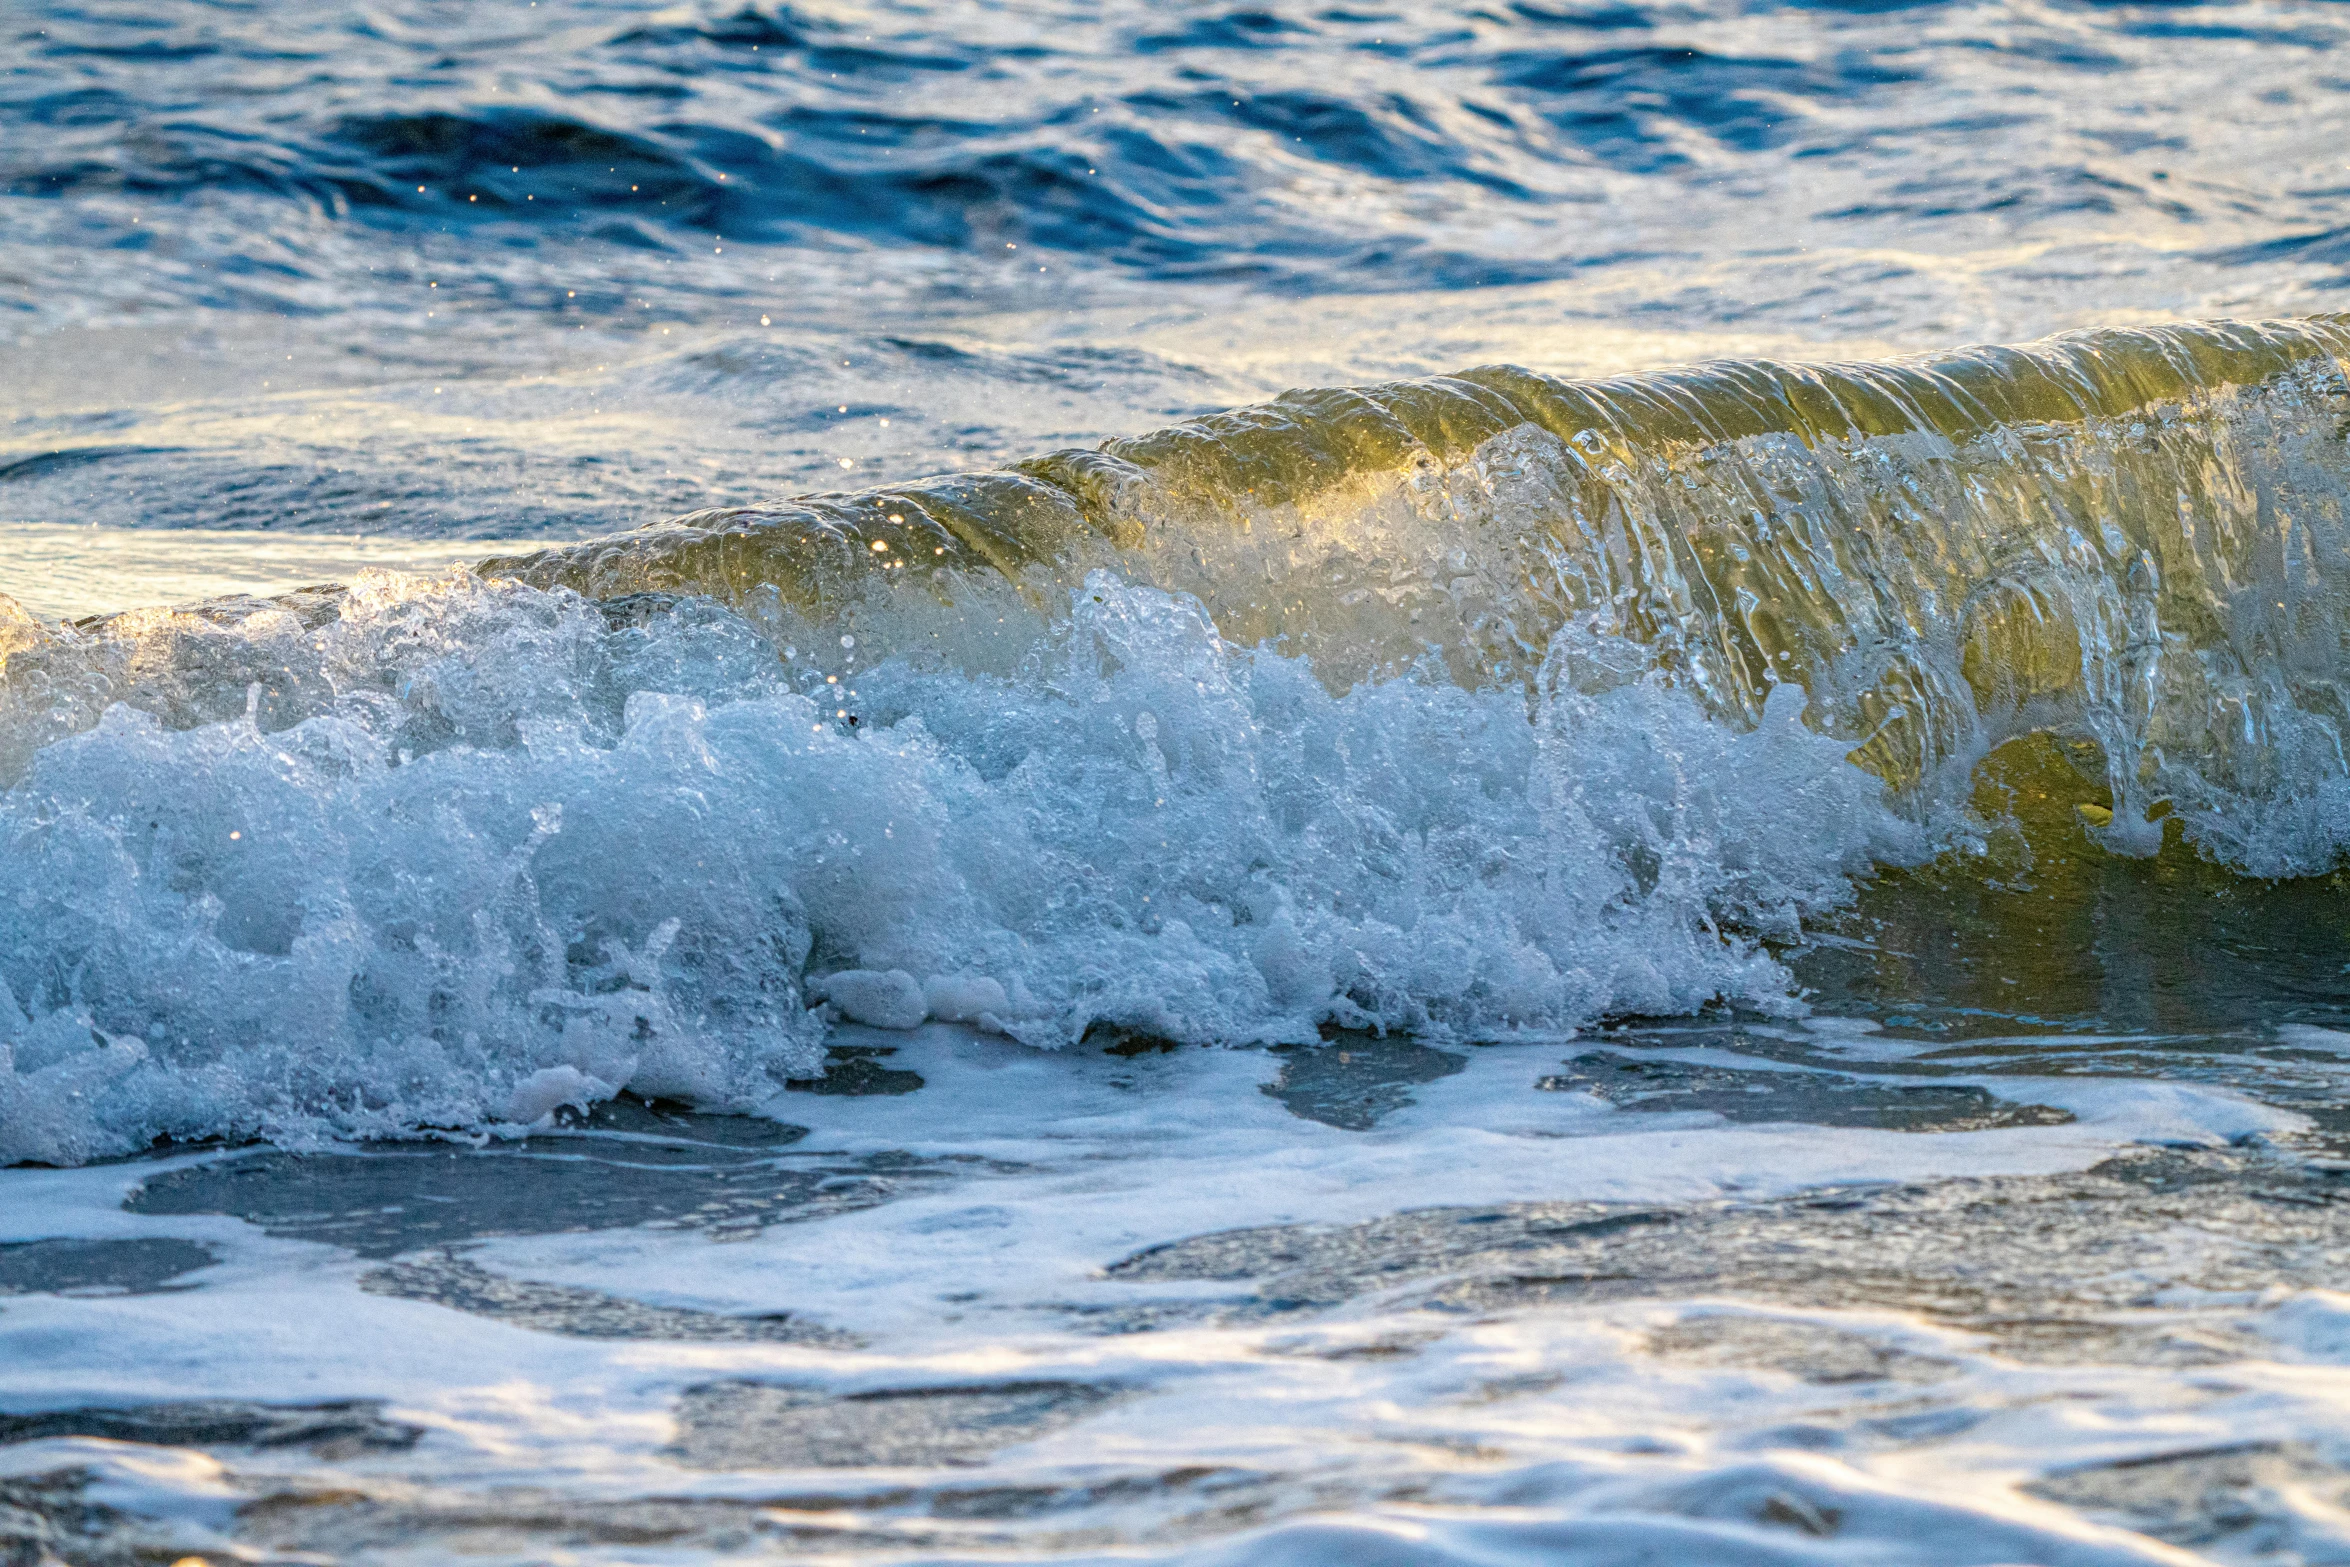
column 472, row 855
column 469, row 854
column 2308, row 1036
column 1372, row 1430
column 1744, row 1515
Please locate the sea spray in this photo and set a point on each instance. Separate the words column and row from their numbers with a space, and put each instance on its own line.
column 499, row 867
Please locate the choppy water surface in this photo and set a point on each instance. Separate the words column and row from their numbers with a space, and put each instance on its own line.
column 1268, row 784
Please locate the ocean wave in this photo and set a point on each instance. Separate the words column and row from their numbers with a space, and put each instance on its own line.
column 2132, row 537
column 1466, row 706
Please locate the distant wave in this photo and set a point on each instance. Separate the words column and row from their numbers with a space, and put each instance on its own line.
column 1308, row 149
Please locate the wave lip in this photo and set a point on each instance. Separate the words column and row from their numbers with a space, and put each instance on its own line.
column 2134, row 538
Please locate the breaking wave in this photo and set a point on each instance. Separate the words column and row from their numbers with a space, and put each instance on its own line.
column 1470, row 706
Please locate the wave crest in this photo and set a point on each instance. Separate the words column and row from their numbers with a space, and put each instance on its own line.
column 1468, row 706
column 2133, row 538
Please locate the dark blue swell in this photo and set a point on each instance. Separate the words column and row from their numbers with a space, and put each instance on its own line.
column 1306, row 146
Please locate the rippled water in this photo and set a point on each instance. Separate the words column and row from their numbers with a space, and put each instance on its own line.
column 251, row 248
column 1235, row 785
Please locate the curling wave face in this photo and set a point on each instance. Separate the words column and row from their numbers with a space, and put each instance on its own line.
column 2132, row 538
column 1476, row 705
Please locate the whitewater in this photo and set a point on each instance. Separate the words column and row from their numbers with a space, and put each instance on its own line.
column 460, row 851
column 923, row 783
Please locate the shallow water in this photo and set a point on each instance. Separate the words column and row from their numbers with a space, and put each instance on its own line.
column 1226, row 784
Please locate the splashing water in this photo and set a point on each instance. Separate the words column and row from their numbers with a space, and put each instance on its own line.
column 1471, row 710
column 510, row 855
column 1466, row 707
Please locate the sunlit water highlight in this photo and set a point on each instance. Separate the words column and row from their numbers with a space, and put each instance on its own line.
column 69, row 572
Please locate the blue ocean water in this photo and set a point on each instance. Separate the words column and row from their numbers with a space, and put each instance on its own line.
column 313, row 162
column 1003, row 229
